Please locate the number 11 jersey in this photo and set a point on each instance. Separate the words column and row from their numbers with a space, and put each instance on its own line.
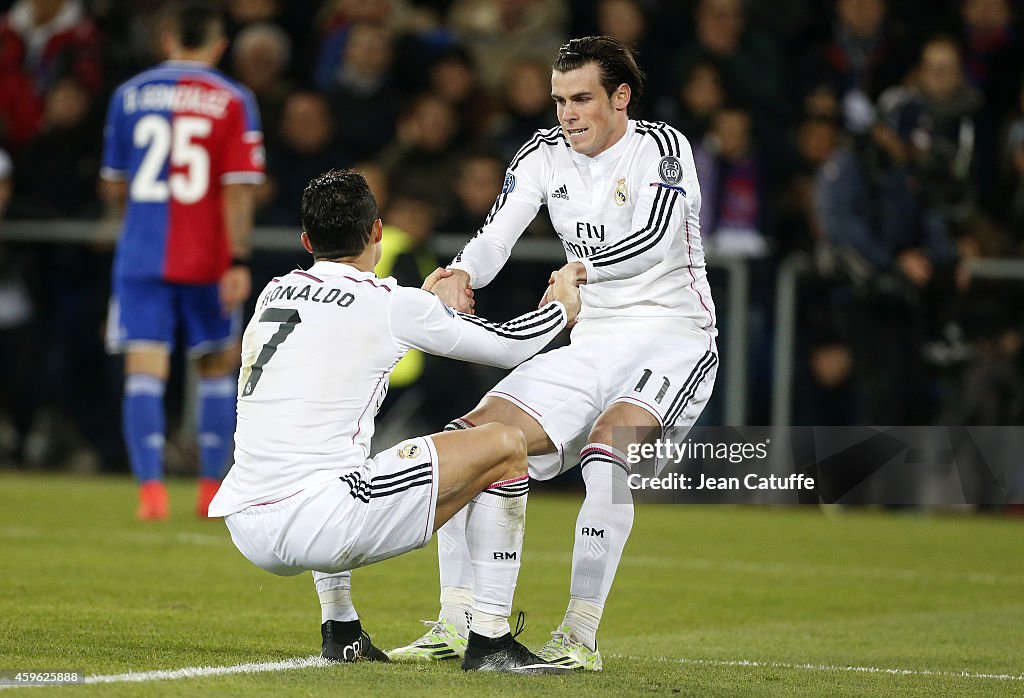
column 177, row 133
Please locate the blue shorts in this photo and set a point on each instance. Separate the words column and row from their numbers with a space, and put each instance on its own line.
column 149, row 312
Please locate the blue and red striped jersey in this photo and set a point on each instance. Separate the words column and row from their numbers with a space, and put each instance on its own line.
column 177, row 133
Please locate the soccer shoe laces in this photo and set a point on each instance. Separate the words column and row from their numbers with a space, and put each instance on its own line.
column 436, row 627
column 520, row 625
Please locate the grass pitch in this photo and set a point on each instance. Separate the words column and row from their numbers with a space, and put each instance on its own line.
column 709, row 600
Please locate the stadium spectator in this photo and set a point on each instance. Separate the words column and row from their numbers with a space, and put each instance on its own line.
column 365, row 101
column 306, row 146
column 499, row 32
column 260, row 59
column 635, row 24
column 733, row 201
column 795, row 225
column 863, row 55
column 57, row 171
column 243, row 13
column 747, row 60
column 897, row 251
column 424, row 155
column 526, row 98
column 57, row 39
column 476, row 187
column 455, row 79
column 936, row 116
column 184, row 250
column 993, row 54
column 21, row 107
column 699, row 96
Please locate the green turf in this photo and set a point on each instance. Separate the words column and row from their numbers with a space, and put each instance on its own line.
column 82, row 586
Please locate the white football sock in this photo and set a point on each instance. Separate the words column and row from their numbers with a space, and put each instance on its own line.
column 454, row 563
column 495, row 521
column 583, row 618
column 602, row 528
column 335, row 592
column 457, row 607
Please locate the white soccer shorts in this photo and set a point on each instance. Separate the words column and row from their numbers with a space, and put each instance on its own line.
column 670, row 375
column 379, row 511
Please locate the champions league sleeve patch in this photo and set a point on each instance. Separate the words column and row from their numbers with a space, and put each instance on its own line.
column 509, row 184
column 670, row 170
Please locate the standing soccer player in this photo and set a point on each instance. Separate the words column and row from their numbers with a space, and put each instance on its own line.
column 305, row 493
column 183, row 151
column 623, row 196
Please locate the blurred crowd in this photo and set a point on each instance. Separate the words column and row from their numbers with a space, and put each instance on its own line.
column 884, row 140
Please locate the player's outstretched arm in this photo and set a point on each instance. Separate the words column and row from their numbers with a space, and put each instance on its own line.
column 421, row 321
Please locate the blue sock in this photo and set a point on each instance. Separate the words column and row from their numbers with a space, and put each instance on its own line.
column 142, row 422
column 216, row 424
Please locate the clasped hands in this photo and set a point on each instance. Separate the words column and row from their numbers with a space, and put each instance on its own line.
column 452, row 287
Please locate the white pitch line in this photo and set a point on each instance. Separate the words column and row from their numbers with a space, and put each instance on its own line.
column 201, row 671
column 315, row 661
column 825, row 667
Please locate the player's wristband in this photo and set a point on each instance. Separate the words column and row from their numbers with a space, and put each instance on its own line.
column 239, row 262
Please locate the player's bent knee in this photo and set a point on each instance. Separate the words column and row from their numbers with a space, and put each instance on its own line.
column 512, row 447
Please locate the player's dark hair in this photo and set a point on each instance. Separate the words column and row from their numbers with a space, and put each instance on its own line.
column 338, row 211
column 616, row 61
column 196, row 24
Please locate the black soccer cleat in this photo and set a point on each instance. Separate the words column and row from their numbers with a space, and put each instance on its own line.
column 346, row 641
column 506, row 655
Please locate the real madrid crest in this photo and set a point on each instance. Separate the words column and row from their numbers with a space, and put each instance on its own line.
column 621, row 195
column 408, row 451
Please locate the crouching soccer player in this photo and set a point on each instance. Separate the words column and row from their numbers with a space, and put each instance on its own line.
column 304, row 492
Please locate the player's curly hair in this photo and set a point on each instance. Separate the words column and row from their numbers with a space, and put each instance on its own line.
column 616, row 60
column 338, row 211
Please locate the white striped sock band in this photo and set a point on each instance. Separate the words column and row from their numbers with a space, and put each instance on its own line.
column 602, row 453
column 143, row 384
column 225, row 386
column 510, row 489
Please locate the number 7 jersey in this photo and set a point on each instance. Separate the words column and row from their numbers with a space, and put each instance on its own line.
column 316, row 360
column 176, row 134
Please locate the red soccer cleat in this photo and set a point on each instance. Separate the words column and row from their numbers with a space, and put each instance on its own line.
column 153, row 502
column 207, row 490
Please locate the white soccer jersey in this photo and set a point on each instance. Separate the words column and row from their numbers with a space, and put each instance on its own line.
column 630, row 214
column 316, row 357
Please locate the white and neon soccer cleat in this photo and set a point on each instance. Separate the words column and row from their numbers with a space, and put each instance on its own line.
column 441, row 641
column 563, row 650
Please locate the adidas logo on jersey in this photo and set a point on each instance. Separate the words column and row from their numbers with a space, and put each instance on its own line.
column 560, row 193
